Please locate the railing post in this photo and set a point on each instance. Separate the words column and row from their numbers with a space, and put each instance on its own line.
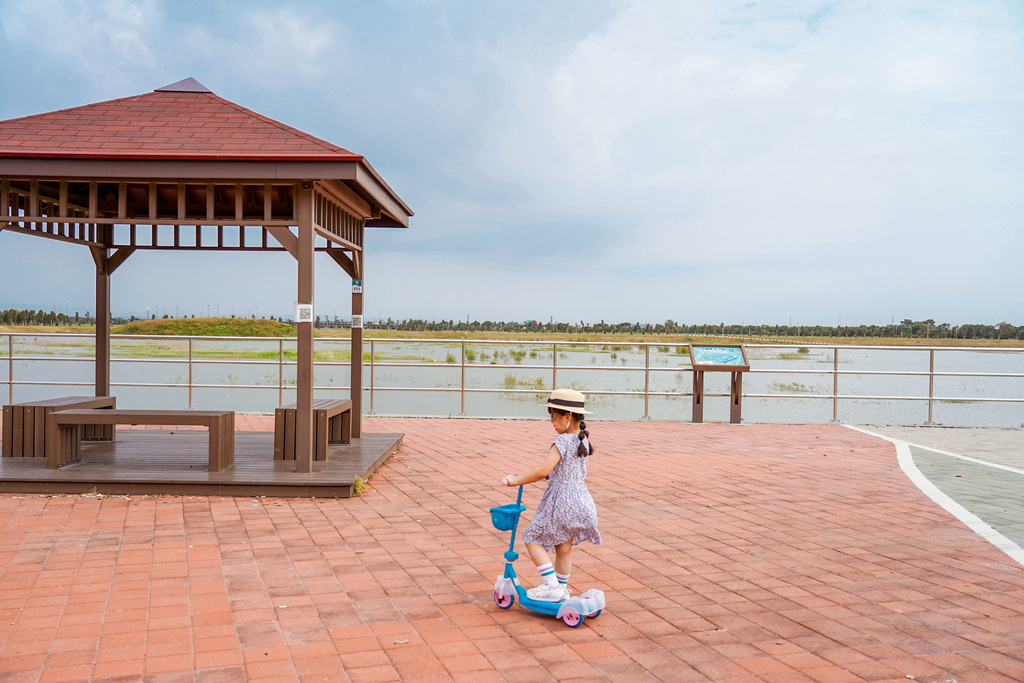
column 372, row 373
column 10, row 368
column 462, row 391
column 647, row 380
column 835, row 384
column 280, row 372
column 190, row 373
column 931, row 383
column 554, row 366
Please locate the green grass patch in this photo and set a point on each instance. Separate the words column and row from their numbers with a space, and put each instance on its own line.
column 360, row 488
column 799, row 354
column 512, row 382
column 208, row 327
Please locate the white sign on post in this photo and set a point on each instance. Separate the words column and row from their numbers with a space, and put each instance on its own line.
column 303, row 313
column 357, row 286
column 357, row 322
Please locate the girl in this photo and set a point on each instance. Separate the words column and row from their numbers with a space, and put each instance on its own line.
column 566, row 514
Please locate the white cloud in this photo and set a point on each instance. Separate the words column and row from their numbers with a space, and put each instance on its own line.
column 928, row 73
column 679, row 123
column 284, row 48
column 805, row 152
column 103, row 42
column 572, row 125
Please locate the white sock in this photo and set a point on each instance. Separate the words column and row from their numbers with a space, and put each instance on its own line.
column 547, row 572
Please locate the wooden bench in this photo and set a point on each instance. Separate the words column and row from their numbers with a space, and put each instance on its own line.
column 64, row 431
column 332, row 423
column 24, row 424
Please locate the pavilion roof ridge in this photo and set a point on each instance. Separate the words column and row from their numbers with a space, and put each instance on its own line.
column 184, row 85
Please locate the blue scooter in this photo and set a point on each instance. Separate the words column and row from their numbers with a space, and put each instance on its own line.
column 507, row 587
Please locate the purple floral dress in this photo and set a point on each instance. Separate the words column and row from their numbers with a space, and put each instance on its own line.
column 566, row 509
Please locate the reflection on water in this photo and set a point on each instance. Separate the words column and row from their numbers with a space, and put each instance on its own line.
column 501, row 380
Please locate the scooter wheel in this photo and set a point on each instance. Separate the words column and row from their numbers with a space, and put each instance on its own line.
column 503, row 601
column 595, row 615
column 572, row 618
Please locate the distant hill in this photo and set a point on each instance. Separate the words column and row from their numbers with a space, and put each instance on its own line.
column 208, row 327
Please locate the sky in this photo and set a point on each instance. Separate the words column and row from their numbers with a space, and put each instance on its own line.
column 790, row 162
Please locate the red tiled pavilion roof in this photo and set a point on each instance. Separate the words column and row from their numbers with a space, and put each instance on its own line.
column 182, row 121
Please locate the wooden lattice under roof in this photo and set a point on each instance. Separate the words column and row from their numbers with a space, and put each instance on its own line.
column 183, row 169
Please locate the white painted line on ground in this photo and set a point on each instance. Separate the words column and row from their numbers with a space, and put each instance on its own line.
column 970, row 459
column 975, row 523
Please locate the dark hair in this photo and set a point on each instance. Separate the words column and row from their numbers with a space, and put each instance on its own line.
column 583, row 450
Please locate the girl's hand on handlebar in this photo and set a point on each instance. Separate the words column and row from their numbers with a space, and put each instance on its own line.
column 507, row 480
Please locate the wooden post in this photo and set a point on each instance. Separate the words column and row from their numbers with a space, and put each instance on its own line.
column 304, row 369
column 356, row 381
column 354, row 267
column 102, row 322
column 106, row 264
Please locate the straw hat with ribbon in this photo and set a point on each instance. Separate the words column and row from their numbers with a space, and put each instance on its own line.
column 568, row 400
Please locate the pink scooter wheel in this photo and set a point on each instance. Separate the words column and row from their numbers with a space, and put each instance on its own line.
column 572, row 618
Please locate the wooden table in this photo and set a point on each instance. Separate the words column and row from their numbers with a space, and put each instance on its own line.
column 24, row 424
column 64, row 431
column 332, row 423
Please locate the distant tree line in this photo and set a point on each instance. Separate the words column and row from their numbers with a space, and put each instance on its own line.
column 916, row 329
column 49, row 319
column 40, row 317
column 920, row 329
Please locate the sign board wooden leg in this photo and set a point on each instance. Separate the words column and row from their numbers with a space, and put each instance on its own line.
column 737, row 398
column 698, row 396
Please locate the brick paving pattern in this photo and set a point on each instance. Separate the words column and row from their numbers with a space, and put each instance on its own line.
column 732, row 553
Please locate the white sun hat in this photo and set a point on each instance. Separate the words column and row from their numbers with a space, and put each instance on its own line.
column 567, row 399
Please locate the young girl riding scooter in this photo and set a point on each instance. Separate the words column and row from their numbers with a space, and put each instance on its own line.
column 566, row 514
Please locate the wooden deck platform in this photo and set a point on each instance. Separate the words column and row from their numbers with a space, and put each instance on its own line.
column 147, row 461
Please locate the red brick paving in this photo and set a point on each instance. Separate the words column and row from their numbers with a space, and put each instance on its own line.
column 731, row 553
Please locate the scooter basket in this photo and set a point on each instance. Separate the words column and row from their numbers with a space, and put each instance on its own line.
column 504, row 517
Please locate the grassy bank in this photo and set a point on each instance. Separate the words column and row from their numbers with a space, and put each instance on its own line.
column 243, row 327
column 208, row 327
column 671, row 339
column 189, row 327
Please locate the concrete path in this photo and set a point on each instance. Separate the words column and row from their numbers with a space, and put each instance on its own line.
column 731, row 553
column 994, row 445
column 979, row 474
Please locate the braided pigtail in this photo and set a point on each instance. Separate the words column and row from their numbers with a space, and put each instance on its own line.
column 585, row 448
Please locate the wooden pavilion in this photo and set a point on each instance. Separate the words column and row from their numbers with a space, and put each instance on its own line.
column 183, row 169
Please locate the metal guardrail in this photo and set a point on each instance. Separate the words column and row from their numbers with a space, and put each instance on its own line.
column 836, row 373
column 373, row 364
column 190, row 361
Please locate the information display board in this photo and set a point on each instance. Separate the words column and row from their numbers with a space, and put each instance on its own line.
column 724, row 358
